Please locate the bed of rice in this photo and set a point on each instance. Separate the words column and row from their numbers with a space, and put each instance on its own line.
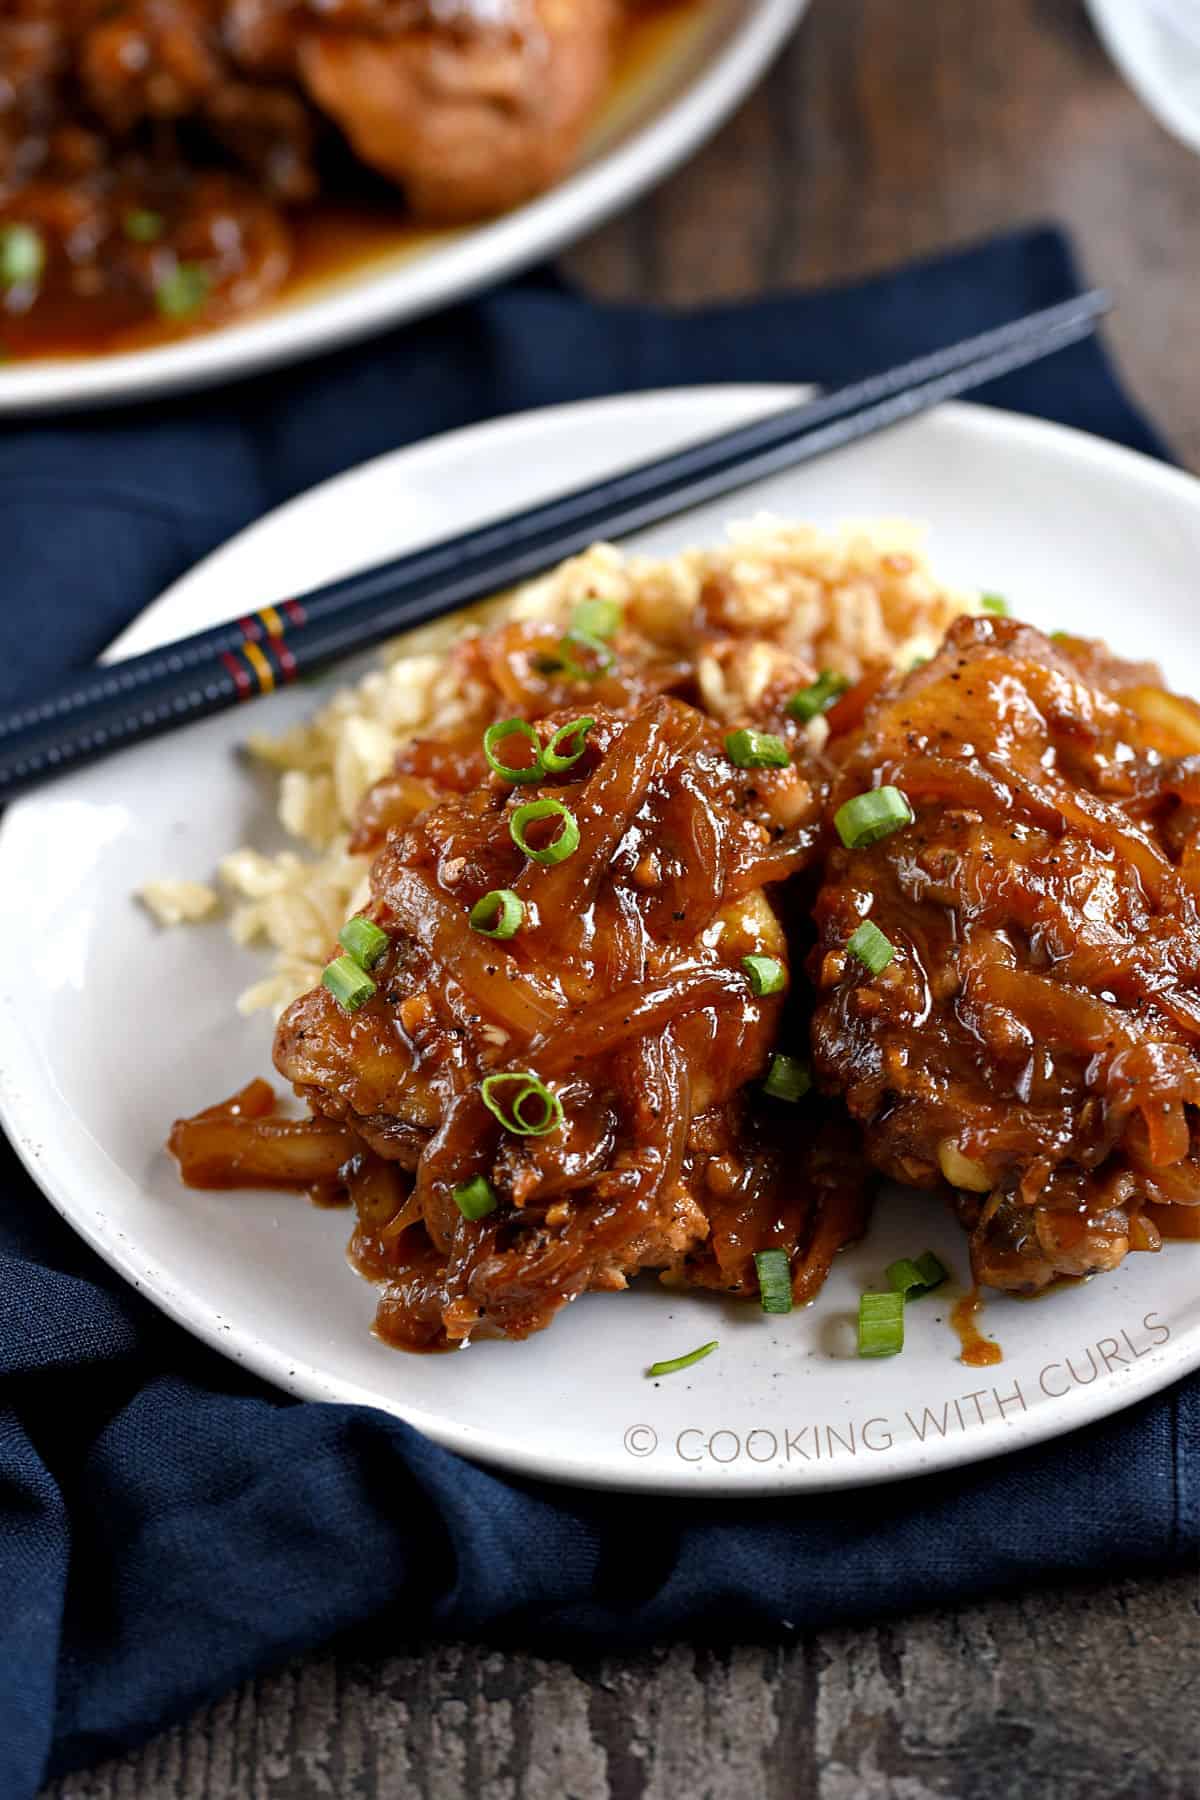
column 843, row 599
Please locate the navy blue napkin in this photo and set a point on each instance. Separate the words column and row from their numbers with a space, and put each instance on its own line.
column 168, row 1527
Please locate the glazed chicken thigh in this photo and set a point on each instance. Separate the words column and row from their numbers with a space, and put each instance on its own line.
column 1033, row 1039
column 566, row 1064
column 624, row 993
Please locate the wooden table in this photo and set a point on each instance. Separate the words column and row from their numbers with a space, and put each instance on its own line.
column 890, row 128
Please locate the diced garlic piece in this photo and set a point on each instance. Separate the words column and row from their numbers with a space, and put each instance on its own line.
column 962, row 1171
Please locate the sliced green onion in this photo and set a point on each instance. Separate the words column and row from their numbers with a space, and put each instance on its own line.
column 818, row 698
column 498, row 914
column 767, row 975
column 774, row 1280
column 871, row 947
column 597, row 618
column 682, row 1362
column 756, row 750
column 871, row 816
column 995, row 604
column 787, row 1078
column 514, row 1114
column 141, row 226
column 913, row 1277
column 915, row 662
column 932, row 1270
column 182, row 291
column 22, row 255
column 584, row 640
column 496, row 734
column 564, row 845
column 476, row 1198
column 556, row 756
column 350, row 986
column 880, row 1324
column 364, row 941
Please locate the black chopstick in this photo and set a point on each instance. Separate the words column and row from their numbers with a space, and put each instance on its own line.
column 107, row 708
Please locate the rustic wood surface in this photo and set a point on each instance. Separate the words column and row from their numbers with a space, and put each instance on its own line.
column 1085, row 1695
column 895, row 128
column 890, row 128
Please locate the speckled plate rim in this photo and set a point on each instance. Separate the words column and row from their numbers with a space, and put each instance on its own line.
column 632, row 1434
column 738, row 38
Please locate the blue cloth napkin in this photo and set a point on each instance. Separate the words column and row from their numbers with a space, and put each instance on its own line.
column 168, row 1527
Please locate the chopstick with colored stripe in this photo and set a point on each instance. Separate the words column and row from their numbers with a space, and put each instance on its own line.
column 108, row 708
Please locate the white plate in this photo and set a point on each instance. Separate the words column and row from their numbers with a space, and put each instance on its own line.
column 675, row 101
column 109, row 1027
column 1156, row 46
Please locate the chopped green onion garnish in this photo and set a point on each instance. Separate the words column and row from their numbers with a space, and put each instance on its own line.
column 498, row 914
column 182, row 291
column 476, row 1198
column 506, row 728
column 350, row 986
column 22, row 255
column 597, row 618
column 774, row 1280
column 364, row 941
column 1061, row 637
column 141, row 226
column 558, row 754
column 682, row 1362
column 767, row 975
column 880, row 1324
column 756, row 750
column 515, row 1115
column 787, row 1079
column 560, row 847
column 819, row 697
column 871, row 816
column 871, row 947
column 596, row 647
column 996, row 604
column 913, row 1277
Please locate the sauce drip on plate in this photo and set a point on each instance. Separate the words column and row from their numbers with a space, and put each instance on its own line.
column 977, row 1351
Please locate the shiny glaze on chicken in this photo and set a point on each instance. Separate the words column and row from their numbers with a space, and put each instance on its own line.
column 1033, row 1042
column 624, row 991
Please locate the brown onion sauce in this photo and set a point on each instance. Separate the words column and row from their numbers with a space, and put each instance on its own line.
column 339, row 236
